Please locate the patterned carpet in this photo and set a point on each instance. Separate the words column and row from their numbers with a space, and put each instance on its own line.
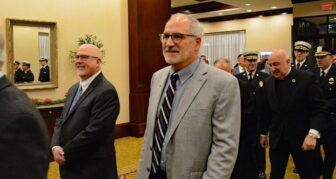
column 128, row 151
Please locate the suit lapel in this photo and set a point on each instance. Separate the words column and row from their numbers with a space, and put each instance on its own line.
column 84, row 95
column 157, row 89
column 71, row 94
column 196, row 83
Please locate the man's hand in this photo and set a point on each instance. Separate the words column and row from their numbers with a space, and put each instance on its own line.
column 263, row 141
column 58, row 154
column 309, row 143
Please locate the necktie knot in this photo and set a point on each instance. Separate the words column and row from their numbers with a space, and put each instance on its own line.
column 173, row 78
column 250, row 76
column 298, row 65
column 77, row 96
column 322, row 74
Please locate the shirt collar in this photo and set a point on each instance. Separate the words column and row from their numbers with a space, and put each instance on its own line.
column 288, row 73
column 326, row 70
column 302, row 62
column 241, row 69
column 86, row 83
column 186, row 72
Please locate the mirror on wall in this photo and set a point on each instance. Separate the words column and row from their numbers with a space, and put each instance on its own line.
column 32, row 53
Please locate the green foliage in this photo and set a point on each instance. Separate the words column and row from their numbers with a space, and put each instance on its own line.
column 88, row 39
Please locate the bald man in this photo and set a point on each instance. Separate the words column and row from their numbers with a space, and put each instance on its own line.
column 83, row 139
column 223, row 64
column 294, row 117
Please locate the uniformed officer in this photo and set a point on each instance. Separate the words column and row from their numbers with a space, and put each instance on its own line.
column 44, row 75
column 326, row 72
column 301, row 53
column 251, row 156
column 18, row 72
column 28, row 75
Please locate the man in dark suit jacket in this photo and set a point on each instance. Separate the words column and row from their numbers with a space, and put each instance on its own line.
column 326, row 72
column 44, row 75
column 23, row 135
column 18, row 72
column 301, row 53
column 251, row 156
column 295, row 118
column 83, row 139
column 27, row 75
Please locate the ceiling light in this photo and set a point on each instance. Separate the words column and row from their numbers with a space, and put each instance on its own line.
column 273, row 7
column 249, row 10
column 247, row 4
column 220, row 13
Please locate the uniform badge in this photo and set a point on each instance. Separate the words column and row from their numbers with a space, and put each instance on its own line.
column 261, row 84
column 331, row 80
column 293, row 80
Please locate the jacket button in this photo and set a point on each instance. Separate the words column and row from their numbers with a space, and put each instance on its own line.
column 151, row 148
column 148, row 169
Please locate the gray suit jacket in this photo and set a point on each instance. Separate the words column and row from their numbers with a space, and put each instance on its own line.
column 204, row 136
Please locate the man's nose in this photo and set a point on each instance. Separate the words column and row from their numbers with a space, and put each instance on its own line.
column 170, row 42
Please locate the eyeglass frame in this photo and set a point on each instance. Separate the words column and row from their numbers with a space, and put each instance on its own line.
column 183, row 36
column 84, row 57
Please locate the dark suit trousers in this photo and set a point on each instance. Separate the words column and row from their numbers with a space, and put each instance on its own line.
column 308, row 163
column 104, row 168
column 329, row 147
column 159, row 175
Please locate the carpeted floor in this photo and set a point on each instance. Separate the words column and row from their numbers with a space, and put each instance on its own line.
column 128, row 151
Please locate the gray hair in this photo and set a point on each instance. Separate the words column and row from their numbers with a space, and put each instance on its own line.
column 2, row 49
column 225, row 60
column 196, row 26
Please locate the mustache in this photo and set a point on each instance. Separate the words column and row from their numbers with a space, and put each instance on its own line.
column 171, row 49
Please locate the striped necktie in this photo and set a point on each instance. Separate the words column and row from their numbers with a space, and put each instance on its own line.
column 161, row 123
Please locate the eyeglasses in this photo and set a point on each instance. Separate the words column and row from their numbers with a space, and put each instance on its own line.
column 84, row 57
column 175, row 37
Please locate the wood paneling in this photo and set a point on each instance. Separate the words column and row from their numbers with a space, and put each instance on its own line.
column 146, row 20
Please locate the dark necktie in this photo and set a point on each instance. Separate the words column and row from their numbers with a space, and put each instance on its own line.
column 322, row 77
column 161, row 123
column 298, row 66
column 250, row 77
column 77, row 96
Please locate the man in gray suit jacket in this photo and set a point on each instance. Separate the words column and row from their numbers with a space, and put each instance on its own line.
column 23, row 135
column 83, row 139
column 193, row 119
